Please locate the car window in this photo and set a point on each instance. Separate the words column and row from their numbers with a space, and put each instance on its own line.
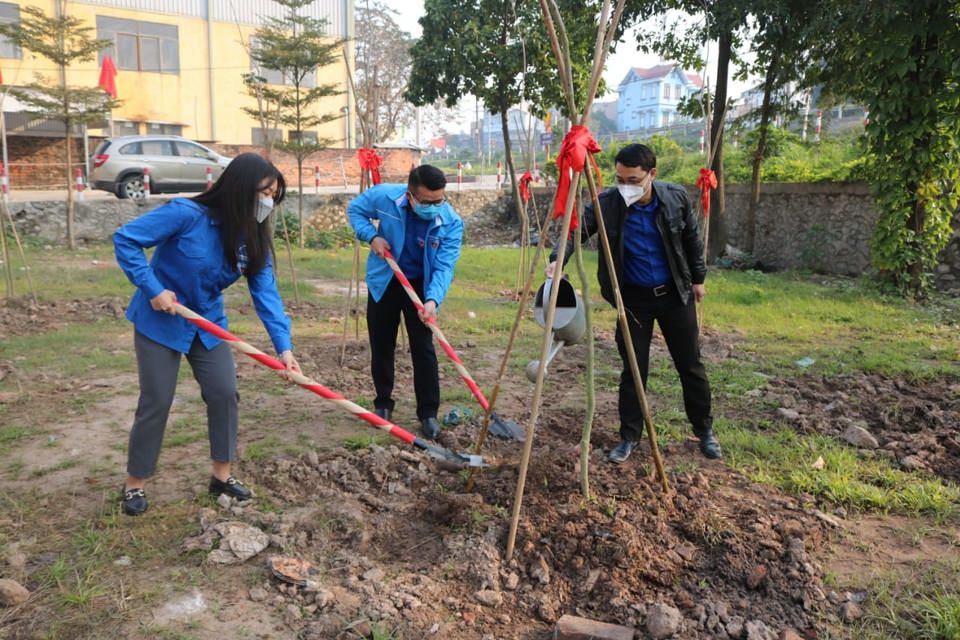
column 101, row 147
column 188, row 150
column 156, row 148
column 132, row 149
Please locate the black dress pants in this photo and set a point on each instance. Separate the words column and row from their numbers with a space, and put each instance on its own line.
column 383, row 322
column 678, row 323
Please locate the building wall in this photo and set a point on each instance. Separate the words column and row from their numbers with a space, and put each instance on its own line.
column 185, row 98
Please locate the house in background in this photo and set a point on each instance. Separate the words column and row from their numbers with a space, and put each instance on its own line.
column 648, row 97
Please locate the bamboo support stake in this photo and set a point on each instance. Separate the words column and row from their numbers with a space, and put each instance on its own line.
column 23, row 255
column 7, row 265
column 544, row 357
column 293, row 270
column 347, row 308
column 518, row 318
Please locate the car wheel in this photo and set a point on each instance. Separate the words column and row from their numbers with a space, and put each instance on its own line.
column 132, row 187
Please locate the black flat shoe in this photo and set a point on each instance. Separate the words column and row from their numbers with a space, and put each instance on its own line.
column 710, row 446
column 622, row 451
column 383, row 413
column 430, row 428
column 133, row 501
column 232, row 487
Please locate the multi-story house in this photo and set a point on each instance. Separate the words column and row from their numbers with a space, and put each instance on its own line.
column 648, row 98
column 180, row 67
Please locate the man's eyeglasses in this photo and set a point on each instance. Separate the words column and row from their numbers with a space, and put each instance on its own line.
column 426, row 202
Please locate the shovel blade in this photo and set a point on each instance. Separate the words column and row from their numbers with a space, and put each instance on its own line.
column 506, row 429
column 451, row 458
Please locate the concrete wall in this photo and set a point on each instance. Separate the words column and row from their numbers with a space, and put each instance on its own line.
column 826, row 228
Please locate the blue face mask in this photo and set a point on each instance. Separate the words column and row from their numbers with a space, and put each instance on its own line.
column 427, row 211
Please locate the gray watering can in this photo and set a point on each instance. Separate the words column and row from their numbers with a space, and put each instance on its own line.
column 569, row 321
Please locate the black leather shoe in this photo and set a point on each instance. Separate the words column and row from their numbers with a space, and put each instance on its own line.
column 430, row 428
column 231, row 486
column 710, row 446
column 622, row 451
column 383, row 413
column 134, row 501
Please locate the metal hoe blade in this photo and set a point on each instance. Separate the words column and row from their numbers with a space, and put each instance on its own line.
column 506, row 429
column 458, row 460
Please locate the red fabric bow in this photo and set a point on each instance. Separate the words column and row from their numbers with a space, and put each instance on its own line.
column 706, row 181
column 525, row 181
column 370, row 161
column 577, row 146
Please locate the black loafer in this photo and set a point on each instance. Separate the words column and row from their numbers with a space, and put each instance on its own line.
column 622, row 451
column 134, row 501
column 231, row 486
column 430, row 428
column 383, row 413
column 710, row 446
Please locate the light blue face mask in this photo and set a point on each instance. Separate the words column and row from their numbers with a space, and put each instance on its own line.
column 427, row 211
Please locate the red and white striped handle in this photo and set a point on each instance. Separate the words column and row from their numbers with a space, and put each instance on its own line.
column 444, row 344
column 299, row 378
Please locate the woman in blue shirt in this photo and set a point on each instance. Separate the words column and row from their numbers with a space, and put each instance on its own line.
column 202, row 246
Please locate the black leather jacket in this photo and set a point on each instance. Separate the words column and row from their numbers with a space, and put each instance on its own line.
column 679, row 229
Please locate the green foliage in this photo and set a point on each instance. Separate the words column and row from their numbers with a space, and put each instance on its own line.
column 298, row 48
column 900, row 60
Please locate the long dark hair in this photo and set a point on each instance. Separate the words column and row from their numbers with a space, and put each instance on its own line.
column 233, row 199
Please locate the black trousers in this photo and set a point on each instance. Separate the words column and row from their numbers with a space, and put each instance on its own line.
column 678, row 323
column 383, row 322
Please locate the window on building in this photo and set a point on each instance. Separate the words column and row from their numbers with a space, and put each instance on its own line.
column 9, row 14
column 125, row 128
column 272, row 76
column 258, row 135
column 310, row 137
column 164, row 129
column 141, row 46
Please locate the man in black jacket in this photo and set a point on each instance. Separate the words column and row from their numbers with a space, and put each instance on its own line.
column 658, row 255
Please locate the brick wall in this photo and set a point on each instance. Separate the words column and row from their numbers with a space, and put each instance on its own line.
column 40, row 163
column 336, row 165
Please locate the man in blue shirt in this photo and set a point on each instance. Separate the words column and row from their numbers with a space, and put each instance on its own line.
column 658, row 255
column 423, row 232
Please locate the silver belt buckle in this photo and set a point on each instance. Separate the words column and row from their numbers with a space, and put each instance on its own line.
column 660, row 291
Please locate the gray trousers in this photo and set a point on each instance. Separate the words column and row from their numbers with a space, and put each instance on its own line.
column 158, row 367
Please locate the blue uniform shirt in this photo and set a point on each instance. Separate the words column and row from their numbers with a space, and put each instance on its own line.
column 645, row 260
column 189, row 260
column 411, row 258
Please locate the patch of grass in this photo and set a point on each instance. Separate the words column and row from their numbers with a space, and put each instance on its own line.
column 355, row 443
column 186, row 430
column 784, row 459
column 921, row 605
column 67, row 463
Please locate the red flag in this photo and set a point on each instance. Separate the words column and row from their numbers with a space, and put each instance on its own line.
column 1, row 76
column 370, row 161
column 108, row 76
column 525, row 181
column 577, row 146
column 706, row 181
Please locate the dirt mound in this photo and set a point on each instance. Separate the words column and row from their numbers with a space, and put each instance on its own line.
column 21, row 316
column 913, row 422
column 400, row 544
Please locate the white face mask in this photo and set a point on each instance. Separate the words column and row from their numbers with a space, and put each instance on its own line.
column 631, row 192
column 264, row 207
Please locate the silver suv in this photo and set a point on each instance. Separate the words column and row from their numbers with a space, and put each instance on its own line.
column 176, row 165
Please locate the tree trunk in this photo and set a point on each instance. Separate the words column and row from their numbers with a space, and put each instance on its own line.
column 514, row 187
column 718, row 223
column 751, row 231
column 71, row 240
column 300, row 197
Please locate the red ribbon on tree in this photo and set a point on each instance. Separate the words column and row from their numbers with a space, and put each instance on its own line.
column 577, row 146
column 370, row 161
column 525, row 181
column 706, row 181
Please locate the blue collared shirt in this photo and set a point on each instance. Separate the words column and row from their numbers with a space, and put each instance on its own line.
column 189, row 260
column 645, row 259
column 411, row 258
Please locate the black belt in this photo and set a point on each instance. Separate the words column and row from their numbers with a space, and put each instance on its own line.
column 648, row 293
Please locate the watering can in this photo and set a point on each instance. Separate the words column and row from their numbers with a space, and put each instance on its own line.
column 569, row 320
